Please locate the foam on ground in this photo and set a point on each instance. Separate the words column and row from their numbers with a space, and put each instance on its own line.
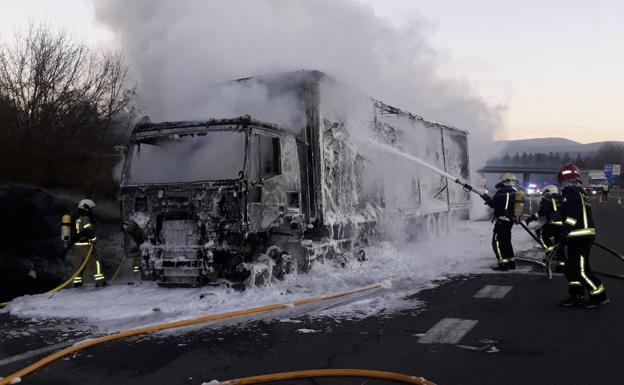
column 403, row 269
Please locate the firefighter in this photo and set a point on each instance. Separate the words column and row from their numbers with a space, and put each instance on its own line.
column 550, row 233
column 605, row 191
column 578, row 233
column 507, row 205
column 83, row 237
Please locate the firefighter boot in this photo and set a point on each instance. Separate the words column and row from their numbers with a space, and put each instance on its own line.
column 501, row 267
column 572, row 300
column 596, row 300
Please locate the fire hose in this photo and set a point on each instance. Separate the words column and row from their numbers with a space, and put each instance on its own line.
column 70, row 279
column 178, row 324
column 362, row 373
column 118, row 270
column 551, row 253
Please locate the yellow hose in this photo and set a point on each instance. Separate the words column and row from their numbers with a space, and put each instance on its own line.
column 175, row 324
column 76, row 273
column 70, row 280
column 316, row 373
column 123, row 259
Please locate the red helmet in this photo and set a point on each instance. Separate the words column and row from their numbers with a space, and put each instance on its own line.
column 569, row 172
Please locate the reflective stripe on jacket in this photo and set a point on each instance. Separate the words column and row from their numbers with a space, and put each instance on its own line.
column 503, row 203
column 576, row 212
column 85, row 233
column 550, row 208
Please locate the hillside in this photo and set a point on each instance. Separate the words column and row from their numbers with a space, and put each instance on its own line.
column 546, row 145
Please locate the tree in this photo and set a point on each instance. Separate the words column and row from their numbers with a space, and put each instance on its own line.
column 540, row 159
column 608, row 153
column 58, row 106
column 557, row 159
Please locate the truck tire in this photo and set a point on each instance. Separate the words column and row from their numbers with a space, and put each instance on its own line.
column 260, row 271
column 285, row 265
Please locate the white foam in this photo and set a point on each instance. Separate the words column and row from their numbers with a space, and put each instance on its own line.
column 467, row 250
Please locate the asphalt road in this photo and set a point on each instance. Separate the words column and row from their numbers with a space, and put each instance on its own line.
column 522, row 337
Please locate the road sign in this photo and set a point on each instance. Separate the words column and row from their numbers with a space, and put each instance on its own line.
column 617, row 168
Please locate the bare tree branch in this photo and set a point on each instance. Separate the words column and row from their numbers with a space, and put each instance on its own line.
column 59, row 103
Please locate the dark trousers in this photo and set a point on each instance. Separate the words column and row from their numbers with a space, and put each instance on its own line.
column 605, row 195
column 550, row 235
column 501, row 242
column 578, row 272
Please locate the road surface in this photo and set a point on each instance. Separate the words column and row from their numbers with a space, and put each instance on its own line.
column 481, row 329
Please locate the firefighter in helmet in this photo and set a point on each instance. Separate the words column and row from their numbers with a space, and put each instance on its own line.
column 550, row 233
column 83, row 238
column 507, row 203
column 605, row 191
column 578, row 233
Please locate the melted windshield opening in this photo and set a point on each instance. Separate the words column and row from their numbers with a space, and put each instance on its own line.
column 216, row 155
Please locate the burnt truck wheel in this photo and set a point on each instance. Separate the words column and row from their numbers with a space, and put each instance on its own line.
column 259, row 272
column 284, row 263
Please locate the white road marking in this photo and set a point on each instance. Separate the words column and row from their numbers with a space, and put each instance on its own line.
column 493, row 291
column 448, row 331
column 34, row 353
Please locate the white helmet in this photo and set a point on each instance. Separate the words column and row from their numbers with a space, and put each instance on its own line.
column 508, row 179
column 550, row 189
column 86, row 204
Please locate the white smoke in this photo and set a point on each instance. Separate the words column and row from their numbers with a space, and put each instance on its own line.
column 178, row 49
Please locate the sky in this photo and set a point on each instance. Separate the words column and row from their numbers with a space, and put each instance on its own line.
column 556, row 65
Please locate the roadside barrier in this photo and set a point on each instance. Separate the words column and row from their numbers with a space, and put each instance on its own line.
column 177, row 324
column 69, row 280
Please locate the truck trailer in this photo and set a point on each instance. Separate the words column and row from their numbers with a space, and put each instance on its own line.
column 261, row 195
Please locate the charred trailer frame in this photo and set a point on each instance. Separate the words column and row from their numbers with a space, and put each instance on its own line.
column 304, row 191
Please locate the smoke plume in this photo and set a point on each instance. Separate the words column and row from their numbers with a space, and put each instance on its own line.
column 180, row 48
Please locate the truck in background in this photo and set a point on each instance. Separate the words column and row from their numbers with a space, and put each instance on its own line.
column 595, row 180
column 255, row 198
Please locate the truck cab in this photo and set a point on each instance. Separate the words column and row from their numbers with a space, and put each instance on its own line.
column 200, row 199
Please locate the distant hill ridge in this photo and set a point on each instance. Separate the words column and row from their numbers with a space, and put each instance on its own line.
column 546, row 145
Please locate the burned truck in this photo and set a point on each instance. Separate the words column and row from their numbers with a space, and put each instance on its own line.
column 303, row 169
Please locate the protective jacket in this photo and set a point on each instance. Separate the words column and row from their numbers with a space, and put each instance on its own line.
column 83, row 227
column 503, row 203
column 550, row 209
column 576, row 213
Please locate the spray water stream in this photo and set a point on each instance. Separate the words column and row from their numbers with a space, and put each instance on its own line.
column 375, row 145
